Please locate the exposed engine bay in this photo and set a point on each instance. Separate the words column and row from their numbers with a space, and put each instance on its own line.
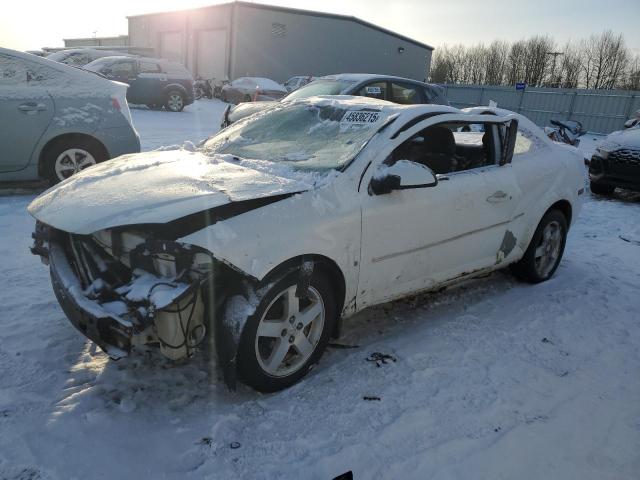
column 124, row 289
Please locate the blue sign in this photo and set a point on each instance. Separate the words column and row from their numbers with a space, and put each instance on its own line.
column 521, row 85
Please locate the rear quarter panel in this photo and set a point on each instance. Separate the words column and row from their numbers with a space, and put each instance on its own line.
column 548, row 175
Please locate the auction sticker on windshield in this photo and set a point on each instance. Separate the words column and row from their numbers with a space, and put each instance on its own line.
column 359, row 117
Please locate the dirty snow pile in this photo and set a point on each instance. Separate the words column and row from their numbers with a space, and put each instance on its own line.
column 491, row 379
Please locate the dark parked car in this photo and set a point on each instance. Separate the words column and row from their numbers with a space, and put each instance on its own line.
column 152, row 82
column 616, row 162
column 383, row 87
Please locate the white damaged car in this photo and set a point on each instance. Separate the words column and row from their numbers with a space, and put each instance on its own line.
column 260, row 242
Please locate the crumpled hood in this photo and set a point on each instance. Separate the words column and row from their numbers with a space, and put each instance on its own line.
column 157, row 187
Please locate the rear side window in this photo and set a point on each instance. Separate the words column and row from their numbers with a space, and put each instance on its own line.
column 14, row 71
column 374, row 90
column 406, row 93
column 149, row 67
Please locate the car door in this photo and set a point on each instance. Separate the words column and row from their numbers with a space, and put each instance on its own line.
column 418, row 238
column 26, row 109
column 149, row 84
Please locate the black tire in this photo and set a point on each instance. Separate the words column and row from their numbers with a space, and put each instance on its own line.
column 154, row 106
column 174, row 101
column 250, row 371
column 599, row 189
column 51, row 154
column 247, row 98
column 223, row 97
column 526, row 268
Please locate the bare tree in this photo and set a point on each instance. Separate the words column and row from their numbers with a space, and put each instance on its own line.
column 600, row 61
column 570, row 65
column 496, row 61
column 605, row 59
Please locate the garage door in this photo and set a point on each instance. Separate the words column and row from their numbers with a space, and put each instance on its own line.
column 212, row 53
column 171, row 46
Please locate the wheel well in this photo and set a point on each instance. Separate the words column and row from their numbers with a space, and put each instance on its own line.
column 322, row 263
column 565, row 207
column 68, row 138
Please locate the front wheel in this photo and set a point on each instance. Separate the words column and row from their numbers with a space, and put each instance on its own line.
column 287, row 334
column 544, row 253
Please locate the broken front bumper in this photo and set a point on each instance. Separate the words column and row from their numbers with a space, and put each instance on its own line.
column 100, row 327
column 177, row 326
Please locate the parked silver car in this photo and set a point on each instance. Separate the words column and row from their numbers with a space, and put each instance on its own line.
column 57, row 120
column 252, row 89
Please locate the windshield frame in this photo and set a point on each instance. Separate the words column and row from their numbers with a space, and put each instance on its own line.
column 224, row 134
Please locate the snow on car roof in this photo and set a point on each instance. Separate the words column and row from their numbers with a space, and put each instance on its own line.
column 361, row 77
column 85, row 84
column 265, row 83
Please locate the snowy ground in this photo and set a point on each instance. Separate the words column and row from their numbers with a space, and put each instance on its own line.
column 492, row 379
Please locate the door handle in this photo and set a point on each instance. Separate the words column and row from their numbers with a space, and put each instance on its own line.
column 32, row 107
column 498, row 196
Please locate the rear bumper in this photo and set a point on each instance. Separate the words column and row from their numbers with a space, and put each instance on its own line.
column 120, row 140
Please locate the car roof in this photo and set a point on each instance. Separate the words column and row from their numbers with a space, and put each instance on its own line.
column 361, row 77
column 67, row 69
column 413, row 111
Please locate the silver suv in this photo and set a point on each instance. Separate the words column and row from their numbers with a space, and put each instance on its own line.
column 56, row 120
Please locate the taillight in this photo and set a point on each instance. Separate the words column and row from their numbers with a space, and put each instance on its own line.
column 115, row 103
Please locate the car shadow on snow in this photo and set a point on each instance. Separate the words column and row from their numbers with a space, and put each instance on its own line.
column 147, row 380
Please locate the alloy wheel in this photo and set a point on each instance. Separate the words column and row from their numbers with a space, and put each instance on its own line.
column 72, row 161
column 548, row 250
column 289, row 331
column 175, row 102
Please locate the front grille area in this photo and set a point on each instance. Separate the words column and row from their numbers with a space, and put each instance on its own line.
column 628, row 156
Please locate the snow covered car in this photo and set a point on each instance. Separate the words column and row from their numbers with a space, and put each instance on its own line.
column 56, row 120
column 616, row 162
column 79, row 57
column 383, row 87
column 252, row 89
column 278, row 227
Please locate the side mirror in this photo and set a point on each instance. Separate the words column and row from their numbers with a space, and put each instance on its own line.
column 402, row 175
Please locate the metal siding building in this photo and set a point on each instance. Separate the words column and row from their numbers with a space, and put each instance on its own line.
column 247, row 39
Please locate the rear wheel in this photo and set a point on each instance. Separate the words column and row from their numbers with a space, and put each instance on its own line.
column 600, row 189
column 70, row 156
column 287, row 335
column 174, row 101
column 544, row 253
column 247, row 98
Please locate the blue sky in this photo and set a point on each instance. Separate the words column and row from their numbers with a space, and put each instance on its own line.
column 33, row 24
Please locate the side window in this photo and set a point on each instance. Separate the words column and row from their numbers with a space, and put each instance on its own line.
column 122, row 69
column 14, row 71
column 406, row 93
column 452, row 147
column 374, row 90
column 526, row 142
column 149, row 67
